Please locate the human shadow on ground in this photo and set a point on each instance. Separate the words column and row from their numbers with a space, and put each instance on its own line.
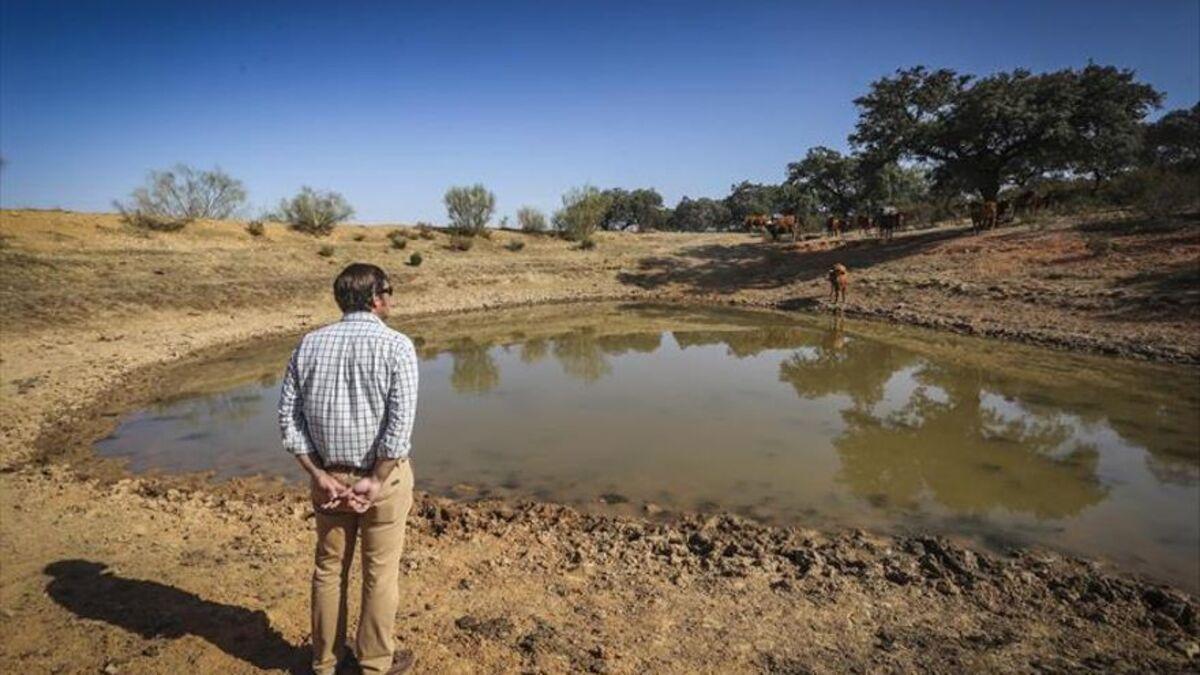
column 154, row 610
column 763, row 266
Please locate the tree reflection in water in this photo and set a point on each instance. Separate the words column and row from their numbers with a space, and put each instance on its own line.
column 579, row 355
column 944, row 438
column 474, row 371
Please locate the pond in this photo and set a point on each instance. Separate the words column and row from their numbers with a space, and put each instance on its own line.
column 788, row 419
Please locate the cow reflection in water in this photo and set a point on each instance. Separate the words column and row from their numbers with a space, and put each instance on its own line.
column 916, row 431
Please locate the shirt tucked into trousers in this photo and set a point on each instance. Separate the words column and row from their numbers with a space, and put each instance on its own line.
column 349, row 396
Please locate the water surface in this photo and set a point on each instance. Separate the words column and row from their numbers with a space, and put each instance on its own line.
column 791, row 420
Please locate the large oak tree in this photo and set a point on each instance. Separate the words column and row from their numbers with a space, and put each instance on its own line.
column 1005, row 128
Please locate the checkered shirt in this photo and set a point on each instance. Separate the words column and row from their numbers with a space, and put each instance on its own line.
column 350, row 393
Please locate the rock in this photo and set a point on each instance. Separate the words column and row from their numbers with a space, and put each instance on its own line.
column 652, row 509
column 700, row 544
column 496, row 629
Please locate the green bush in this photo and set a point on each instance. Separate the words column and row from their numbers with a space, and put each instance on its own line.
column 325, row 251
column 583, row 210
column 426, row 231
column 415, row 260
column 469, row 208
column 313, row 212
column 399, row 238
column 531, row 220
column 256, row 228
column 515, row 245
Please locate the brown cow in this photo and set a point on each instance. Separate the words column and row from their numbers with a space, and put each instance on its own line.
column 1028, row 203
column 834, row 226
column 984, row 215
column 839, row 279
column 780, row 225
column 864, row 222
column 756, row 221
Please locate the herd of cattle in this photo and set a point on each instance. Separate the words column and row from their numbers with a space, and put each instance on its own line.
column 985, row 215
column 885, row 224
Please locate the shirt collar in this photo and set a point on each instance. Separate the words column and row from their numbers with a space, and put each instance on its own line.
column 361, row 316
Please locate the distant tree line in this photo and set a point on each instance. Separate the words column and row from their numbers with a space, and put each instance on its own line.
column 925, row 140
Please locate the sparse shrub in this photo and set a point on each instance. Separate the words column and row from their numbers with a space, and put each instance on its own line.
column 173, row 198
column 399, row 238
column 156, row 222
column 515, row 245
column 461, row 242
column 256, row 228
column 531, row 220
column 359, row 236
column 587, row 244
column 583, row 210
column 469, row 208
column 325, row 251
column 314, row 212
column 415, row 260
column 426, row 231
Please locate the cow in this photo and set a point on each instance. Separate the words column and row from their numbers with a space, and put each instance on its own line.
column 864, row 222
column 756, row 221
column 834, row 226
column 984, row 215
column 888, row 223
column 1028, row 203
column 839, row 279
column 782, row 224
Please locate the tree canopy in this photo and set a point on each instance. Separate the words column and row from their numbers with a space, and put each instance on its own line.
column 1004, row 128
column 1174, row 140
column 641, row 207
column 697, row 215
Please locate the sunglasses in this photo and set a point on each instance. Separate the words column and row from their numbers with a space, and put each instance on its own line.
column 386, row 290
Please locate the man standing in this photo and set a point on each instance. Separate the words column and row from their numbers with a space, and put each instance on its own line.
column 346, row 411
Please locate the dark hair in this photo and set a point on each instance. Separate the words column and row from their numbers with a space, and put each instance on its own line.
column 357, row 286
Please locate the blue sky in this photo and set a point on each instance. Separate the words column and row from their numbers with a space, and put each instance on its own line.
column 391, row 103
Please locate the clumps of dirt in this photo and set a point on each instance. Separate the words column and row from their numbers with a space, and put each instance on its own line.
column 1021, row 588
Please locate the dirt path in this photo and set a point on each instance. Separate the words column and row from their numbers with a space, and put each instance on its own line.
column 104, row 573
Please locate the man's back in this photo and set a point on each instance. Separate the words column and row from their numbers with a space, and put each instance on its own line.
column 349, row 394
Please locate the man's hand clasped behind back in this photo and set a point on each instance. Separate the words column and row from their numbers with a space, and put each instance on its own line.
column 356, row 498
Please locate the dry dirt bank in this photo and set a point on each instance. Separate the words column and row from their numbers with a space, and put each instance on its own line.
column 138, row 575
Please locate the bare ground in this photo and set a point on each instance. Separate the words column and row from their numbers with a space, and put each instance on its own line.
column 172, row 574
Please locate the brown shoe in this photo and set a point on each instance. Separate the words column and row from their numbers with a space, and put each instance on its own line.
column 402, row 661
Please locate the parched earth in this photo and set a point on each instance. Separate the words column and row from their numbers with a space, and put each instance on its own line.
column 105, row 572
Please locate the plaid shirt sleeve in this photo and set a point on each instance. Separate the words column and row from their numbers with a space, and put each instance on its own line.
column 400, row 408
column 292, row 425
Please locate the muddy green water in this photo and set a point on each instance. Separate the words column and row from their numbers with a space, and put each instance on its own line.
column 788, row 419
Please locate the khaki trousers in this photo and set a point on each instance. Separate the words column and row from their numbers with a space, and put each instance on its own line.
column 382, row 530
